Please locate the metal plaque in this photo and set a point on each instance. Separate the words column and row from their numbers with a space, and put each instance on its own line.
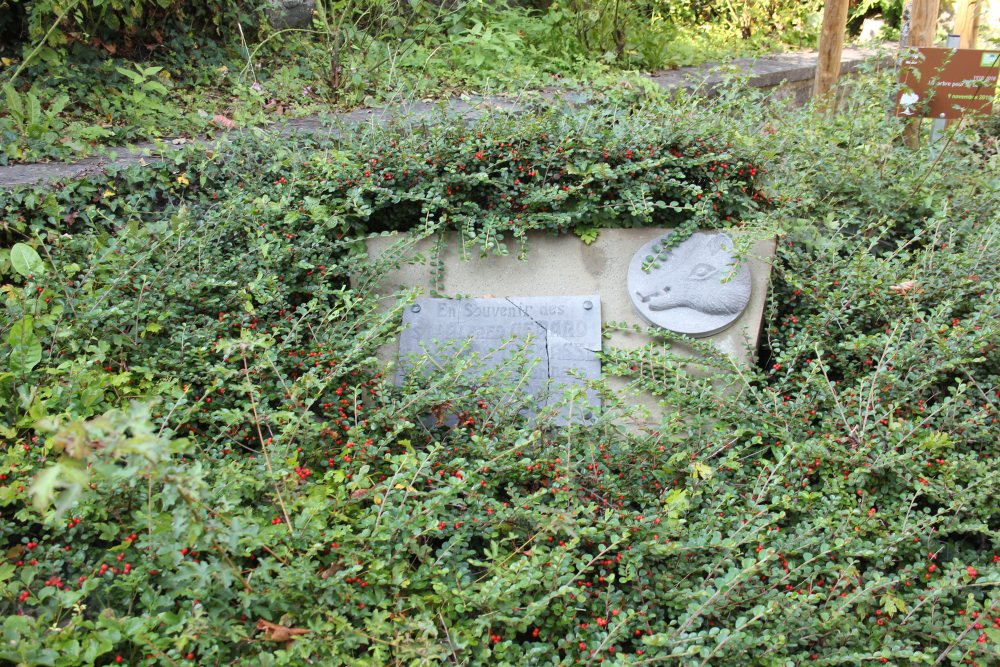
column 947, row 83
column 557, row 338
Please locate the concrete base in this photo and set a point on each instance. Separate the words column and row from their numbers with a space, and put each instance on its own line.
column 565, row 266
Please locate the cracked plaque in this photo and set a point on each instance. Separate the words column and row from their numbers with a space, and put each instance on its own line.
column 559, row 338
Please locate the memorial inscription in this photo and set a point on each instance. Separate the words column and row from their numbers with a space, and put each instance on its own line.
column 562, row 335
column 690, row 289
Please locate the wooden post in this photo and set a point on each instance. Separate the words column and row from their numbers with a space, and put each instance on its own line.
column 831, row 45
column 923, row 23
column 967, row 22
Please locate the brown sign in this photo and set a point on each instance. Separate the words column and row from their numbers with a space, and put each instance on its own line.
column 947, row 83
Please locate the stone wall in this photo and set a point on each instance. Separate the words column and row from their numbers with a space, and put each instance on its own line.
column 783, row 76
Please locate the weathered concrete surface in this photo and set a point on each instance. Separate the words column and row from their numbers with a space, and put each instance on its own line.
column 784, row 75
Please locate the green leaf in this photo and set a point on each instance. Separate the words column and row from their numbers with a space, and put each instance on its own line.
column 892, row 604
column 136, row 77
column 61, row 483
column 155, row 86
column 57, row 105
column 936, row 441
column 587, row 234
column 43, row 491
column 700, row 470
column 27, row 349
column 25, row 260
column 13, row 101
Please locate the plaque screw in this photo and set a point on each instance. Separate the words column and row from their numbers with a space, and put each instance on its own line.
column 587, row 305
column 415, row 309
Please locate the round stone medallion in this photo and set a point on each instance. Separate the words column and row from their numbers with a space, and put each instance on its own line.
column 692, row 288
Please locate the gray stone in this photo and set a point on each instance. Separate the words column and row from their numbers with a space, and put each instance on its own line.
column 290, row 13
column 694, row 288
column 559, row 337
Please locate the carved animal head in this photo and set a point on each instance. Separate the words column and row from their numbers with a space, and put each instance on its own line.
column 691, row 277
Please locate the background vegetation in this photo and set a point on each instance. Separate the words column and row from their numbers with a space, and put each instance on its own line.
column 142, row 69
column 204, row 462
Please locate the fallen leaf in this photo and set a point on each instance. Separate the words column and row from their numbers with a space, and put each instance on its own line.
column 440, row 411
column 904, row 287
column 224, row 122
column 328, row 572
column 273, row 632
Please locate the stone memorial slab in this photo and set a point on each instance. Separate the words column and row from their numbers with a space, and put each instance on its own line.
column 694, row 288
column 560, row 336
column 557, row 266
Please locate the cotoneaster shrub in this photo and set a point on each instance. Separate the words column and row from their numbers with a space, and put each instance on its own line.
column 560, row 169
